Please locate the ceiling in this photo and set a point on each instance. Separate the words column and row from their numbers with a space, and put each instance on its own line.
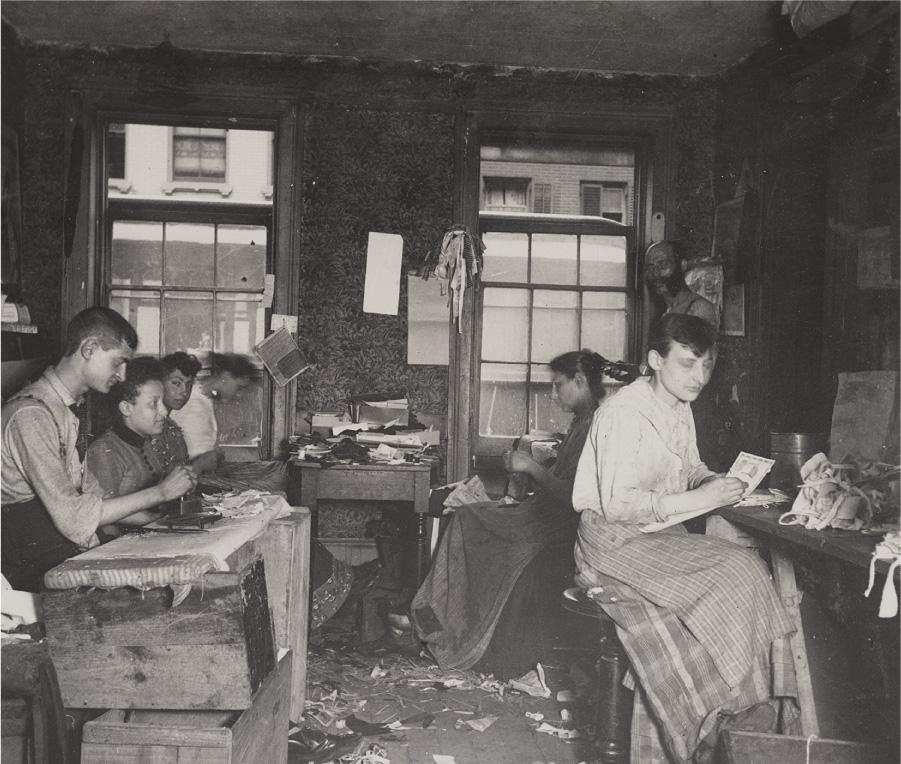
column 682, row 37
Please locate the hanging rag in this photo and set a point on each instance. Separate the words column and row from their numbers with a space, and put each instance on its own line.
column 459, row 264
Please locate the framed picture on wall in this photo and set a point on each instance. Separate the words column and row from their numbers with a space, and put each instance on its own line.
column 11, row 246
column 733, row 322
column 733, row 226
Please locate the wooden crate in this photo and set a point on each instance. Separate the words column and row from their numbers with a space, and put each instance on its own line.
column 759, row 748
column 286, row 549
column 123, row 648
column 258, row 734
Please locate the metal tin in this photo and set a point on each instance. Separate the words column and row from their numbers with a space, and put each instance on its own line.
column 790, row 450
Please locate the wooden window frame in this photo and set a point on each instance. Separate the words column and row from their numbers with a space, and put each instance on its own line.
column 526, row 184
column 92, row 106
column 487, row 450
column 649, row 131
column 603, row 186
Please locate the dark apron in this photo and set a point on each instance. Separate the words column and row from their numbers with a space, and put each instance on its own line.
column 31, row 545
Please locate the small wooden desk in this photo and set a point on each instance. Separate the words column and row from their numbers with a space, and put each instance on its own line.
column 308, row 483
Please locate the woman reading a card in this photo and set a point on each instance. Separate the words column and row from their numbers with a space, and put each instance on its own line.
column 698, row 616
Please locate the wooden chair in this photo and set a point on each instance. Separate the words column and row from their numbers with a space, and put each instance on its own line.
column 613, row 716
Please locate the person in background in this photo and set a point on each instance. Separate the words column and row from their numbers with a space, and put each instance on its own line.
column 122, row 458
column 230, row 374
column 51, row 505
column 169, row 446
column 665, row 278
column 487, row 601
column 192, row 429
column 698, row 616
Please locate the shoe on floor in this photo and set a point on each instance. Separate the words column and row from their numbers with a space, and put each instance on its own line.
column 400, row 622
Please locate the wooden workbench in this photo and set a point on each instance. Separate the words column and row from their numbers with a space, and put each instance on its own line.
column 851, row 547
column 791, row 545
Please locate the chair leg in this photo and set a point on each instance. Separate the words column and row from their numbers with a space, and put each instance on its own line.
column 614, row 714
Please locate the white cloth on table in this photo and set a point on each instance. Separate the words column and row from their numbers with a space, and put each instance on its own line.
column 145, row 561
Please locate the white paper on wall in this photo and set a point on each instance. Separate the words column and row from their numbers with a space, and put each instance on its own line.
column 381, row 293
column 427, row 322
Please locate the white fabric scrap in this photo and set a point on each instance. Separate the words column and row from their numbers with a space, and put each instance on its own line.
column 533, row 683
column 887, row 549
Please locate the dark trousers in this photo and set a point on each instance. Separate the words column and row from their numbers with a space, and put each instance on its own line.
column 31, row 545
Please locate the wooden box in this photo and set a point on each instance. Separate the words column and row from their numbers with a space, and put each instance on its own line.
column 760, row 748
column 286, row 550
column 256, row 735
column 123, row 648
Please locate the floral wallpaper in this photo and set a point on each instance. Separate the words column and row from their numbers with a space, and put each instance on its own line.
column 378, row 156
column 366, row 170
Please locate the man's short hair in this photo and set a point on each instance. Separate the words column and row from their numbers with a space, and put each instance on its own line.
column 239, row 366
column 102, row 323
column 693, row 332
column 138, row 372
column 181, row 361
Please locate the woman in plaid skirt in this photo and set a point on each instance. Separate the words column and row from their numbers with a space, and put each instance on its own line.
column 698, row 616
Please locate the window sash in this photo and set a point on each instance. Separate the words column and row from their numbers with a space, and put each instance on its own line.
column 532, row 397
column 606, row 200
column 507, row 194
column 231, row 308
column 217, row 281
column 199, row 154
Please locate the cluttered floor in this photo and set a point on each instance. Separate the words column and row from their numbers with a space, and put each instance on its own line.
column 374, row 696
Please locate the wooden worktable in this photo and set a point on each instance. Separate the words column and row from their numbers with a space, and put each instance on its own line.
column 787, row 545
column 852, row 547
column 309, row 483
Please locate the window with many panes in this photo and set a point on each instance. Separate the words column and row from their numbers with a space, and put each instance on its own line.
column 189, row 285
column 506, row 194
column 551, row 283
column 188, row 273
column 199, row 154
column 604, row 200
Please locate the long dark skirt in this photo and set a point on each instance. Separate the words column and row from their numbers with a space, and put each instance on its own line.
column 530, row 621
column 482, row 556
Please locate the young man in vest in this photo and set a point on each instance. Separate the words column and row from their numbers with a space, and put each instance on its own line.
column 51, row 505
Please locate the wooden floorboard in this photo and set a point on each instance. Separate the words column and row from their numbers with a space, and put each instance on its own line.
column 342, row 682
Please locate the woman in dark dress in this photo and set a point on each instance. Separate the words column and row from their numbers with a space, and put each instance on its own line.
column 464, row 608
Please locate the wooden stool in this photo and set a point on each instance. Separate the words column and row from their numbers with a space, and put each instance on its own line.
column 614, row 712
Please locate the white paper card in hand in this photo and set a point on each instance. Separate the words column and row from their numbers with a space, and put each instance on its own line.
column 750, row 469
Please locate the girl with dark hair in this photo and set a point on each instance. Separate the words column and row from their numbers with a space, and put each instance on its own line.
column 476, row 607
column 697, row 616
column 122, row 459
